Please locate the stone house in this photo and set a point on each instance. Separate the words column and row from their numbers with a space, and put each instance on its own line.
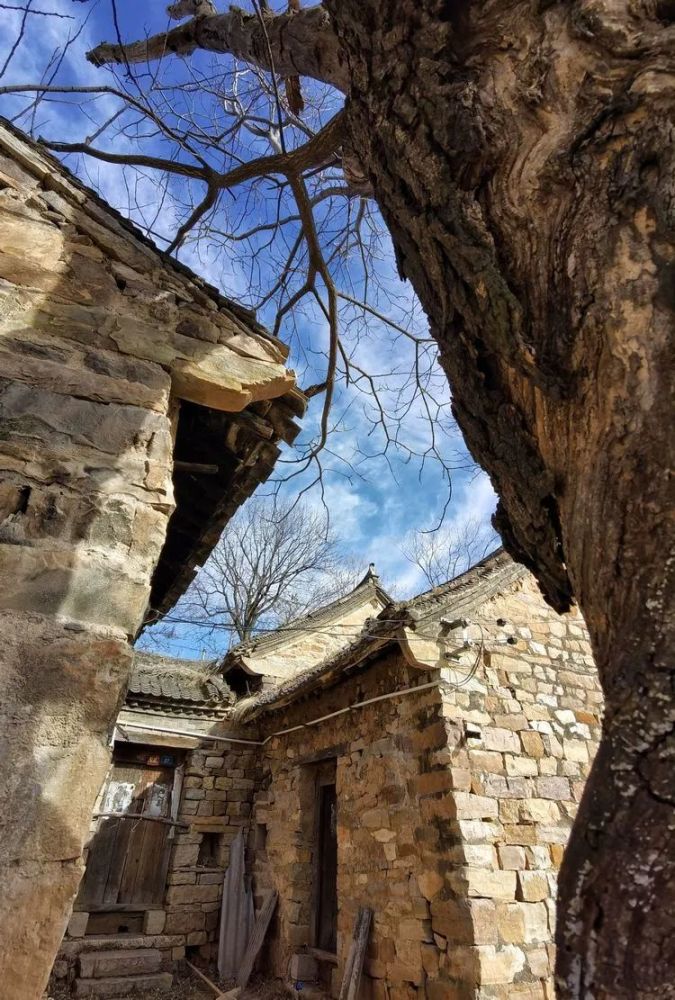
column 426, row 763
column 138, row 408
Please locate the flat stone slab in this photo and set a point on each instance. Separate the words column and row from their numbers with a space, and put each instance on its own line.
column 123, row 986
column 130, row 962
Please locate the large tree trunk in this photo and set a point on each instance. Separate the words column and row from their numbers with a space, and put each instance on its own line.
column 522, row 155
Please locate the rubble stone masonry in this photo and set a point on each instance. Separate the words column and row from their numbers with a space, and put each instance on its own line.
column 99, row 336
column 453, row 808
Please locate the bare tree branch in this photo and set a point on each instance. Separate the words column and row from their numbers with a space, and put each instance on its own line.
column 275, row 562
column 444, row 554
column 302, row 43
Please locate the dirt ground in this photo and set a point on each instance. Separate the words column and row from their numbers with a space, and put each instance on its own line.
column 187, row 986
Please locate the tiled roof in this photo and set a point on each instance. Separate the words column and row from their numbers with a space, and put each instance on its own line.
column 487, row 578
column 369, row 586
column 173, row 680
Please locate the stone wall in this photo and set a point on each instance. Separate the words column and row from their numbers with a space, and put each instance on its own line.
column 454, row 806
column 380, row 752
column 520, row 739
column 216, row 799
column 217, row 796
column 99, row 336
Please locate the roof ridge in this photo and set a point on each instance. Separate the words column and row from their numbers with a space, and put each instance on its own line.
column 286, row 632
column 306, row 680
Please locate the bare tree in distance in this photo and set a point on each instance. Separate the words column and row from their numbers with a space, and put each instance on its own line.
column 521, row 154
column 275, row 561
column 443, row 554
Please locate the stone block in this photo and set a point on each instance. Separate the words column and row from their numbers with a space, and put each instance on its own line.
column 522, row 923
column 490, row 885
column 60, row 969
column 486, row 760
column 538, row 961
column 539, row 811
column 154, row 921
column 533, row 744
column 184, row 921
column 510, row 923
column 553, row 788
column 120, row 962
column 499, row 965
column 483, row 920
column 511, row 857
column 532, row 886
column 476, row 855
column 576, row 750
column 181, row 894
column 501, row 740
column 463, row 963
column 430, row 960
column 123, row 986
column 516, row 721
column 77, row 925
column 452, row 921
column 411, row 930
column 470, row 806
column 304, row 967
column 557, row 851
column 476, row 831
column 538, row 857
column 518, row 766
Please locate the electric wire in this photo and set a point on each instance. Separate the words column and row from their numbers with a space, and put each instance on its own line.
column 348, row 631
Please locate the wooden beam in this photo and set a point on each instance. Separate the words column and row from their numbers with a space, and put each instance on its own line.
column 137, row 816
column 357, row 953
column 257, row 938
column 216, row 989
column 197, row 468
column 323, row 956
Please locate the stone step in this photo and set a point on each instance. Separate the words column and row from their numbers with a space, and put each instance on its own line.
column 136, row 962
column 123, row 986
column 113, row 942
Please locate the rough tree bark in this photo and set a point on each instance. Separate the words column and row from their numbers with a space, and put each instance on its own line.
column 522, row 154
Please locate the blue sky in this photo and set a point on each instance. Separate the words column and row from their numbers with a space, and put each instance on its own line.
column 375, row 498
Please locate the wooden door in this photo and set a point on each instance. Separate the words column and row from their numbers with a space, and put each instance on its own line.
column 128, row 854
column 326, row 890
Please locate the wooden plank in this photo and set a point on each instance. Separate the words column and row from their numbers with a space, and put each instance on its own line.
column 151, row 874
column 357, row 954
column 120, row 907
column 323, row 956
column 196, row 468
column 236, row 915
column 146, row 819
column 116, row 861
column 95, row 878
column 257, row 938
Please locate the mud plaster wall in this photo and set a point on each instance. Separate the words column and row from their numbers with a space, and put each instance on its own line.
column 97, row 336
column 453, row 840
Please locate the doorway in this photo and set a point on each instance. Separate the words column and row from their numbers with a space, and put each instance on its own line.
column 326, row 858
column 128, row 855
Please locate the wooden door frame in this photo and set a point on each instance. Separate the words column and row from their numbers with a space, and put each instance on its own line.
column 325, row 773
column 118, row 761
